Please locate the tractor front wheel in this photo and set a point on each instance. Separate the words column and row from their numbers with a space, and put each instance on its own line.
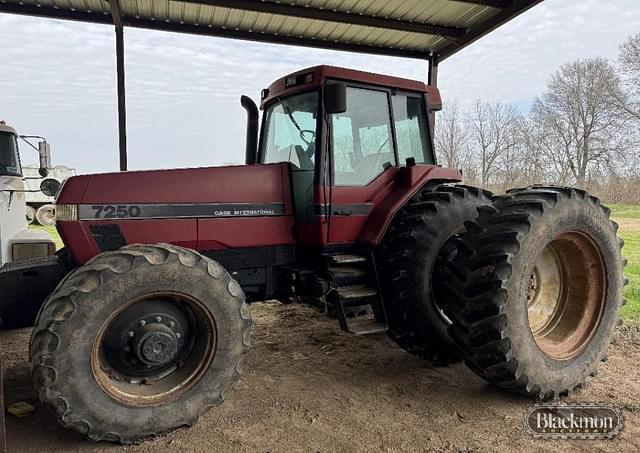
column 139, row 341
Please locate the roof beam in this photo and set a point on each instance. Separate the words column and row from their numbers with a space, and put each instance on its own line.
column 104, row 17
column 270, row 38
column 101, row 17
column 281, row 9
column 499, row 4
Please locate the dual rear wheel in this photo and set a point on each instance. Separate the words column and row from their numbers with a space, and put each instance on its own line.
column 528, row 284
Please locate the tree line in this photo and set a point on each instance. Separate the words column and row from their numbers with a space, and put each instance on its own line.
column 583, row 130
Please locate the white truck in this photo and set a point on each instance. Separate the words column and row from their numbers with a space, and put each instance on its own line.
column 17, row 241
column 40, row 208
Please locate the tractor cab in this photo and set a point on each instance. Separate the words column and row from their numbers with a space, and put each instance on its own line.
column 348, row 137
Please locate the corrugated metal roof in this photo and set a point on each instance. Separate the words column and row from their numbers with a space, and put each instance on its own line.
column 411, row 28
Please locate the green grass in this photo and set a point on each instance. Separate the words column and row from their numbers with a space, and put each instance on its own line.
column 629, row 218
column 625, row 211
column 52, row 231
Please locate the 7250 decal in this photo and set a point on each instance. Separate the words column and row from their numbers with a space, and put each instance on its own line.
column 115, row 211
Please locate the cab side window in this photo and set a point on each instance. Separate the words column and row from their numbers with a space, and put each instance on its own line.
column 361, row 138
column 411, row 128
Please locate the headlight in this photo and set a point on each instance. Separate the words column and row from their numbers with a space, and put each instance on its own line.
column 66, row 212
column 29, row 250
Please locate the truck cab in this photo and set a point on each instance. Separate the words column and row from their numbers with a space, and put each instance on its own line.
column 17, row 242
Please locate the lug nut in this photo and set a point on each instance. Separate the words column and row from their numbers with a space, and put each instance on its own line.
column 142, row 323
column 172, row 324
column 178, row 335
column 131, row 334
column 158, row 318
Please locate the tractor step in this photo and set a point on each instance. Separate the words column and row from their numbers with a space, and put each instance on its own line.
column 355, row 298
column 356, row 292
column 348, row 276
column 365, row 326
column 346, row 259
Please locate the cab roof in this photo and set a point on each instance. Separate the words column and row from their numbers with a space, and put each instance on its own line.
column 309, row 78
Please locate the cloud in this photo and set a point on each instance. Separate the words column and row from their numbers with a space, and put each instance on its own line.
column 58, row 79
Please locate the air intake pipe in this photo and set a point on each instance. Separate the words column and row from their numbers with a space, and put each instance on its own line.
column 251, row 153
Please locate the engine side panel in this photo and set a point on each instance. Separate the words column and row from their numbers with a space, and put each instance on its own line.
column 204, row 209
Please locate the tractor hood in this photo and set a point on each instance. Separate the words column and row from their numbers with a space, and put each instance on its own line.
column 252, row 184
column 200, row 208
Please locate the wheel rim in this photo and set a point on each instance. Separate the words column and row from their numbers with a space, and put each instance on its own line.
column 153, row 349
column 566, row 295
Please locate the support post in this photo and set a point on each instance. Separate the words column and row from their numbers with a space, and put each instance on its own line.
column 432, row 77
column 122, row 106
column 116, row 17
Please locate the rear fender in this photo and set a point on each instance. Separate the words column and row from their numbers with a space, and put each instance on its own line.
column 409, row 181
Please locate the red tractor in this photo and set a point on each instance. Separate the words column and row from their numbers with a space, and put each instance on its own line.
column 340, row 204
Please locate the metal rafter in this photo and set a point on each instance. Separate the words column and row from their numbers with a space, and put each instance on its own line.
column 308, row 12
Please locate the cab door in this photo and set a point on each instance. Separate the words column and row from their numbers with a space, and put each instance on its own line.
column 369, row 142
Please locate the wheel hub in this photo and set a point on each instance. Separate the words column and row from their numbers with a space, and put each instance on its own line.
column 153, row 348
column 156, row 344
column 566, row 295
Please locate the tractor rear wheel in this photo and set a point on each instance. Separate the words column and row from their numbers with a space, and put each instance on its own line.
column 535, row 290
column 139, row 341
column 410, row 258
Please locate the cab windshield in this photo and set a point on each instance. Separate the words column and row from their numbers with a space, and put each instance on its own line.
column 9, row 160
column 290, row 131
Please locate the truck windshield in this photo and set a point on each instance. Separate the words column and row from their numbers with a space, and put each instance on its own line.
column 9, row 160
column 289, row 133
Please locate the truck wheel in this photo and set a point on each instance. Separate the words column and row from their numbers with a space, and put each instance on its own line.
column 46, row 215
column 410, row 258
column 30, row 214
column 139, row 341
column 536, row 288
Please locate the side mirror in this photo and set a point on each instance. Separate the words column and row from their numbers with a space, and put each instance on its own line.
column 50, row 187
column 45, row 158
column 335, row 98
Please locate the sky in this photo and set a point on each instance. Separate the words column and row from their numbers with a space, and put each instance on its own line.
column 58, row 80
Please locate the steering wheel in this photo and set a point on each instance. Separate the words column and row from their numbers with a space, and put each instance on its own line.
column 305, row 132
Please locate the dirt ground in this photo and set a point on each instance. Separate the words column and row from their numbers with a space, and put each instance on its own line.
column 310, row 387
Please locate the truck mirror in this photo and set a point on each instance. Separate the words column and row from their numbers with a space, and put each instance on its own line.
column 335, row 98
column 50, row 187
column 45, row 158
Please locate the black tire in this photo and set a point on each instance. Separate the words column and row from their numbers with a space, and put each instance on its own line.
column 537, row 245
column 69, row 369
column 409, row 260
